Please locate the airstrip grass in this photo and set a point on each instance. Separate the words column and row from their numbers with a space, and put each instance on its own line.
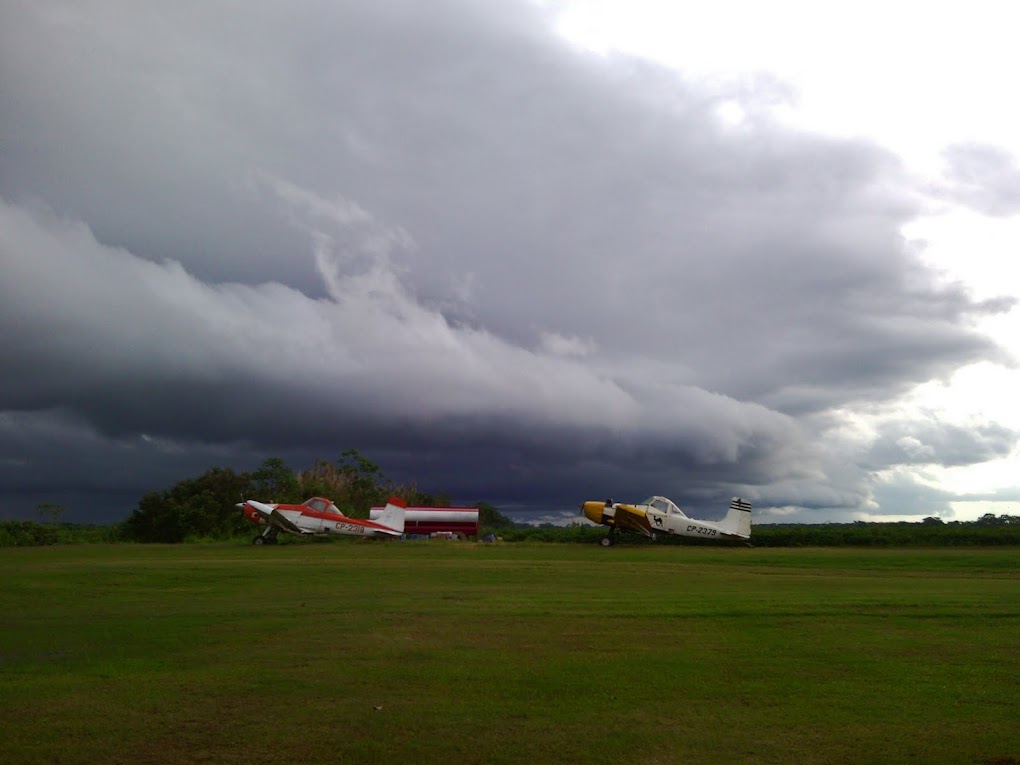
column 460, row 653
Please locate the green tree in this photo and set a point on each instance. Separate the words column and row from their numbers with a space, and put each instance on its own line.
column 366, row 487
column 323, row 480
column 490, row 518
column 27, row 534
column 275, row 482
column 418, row 498
column 198, row 507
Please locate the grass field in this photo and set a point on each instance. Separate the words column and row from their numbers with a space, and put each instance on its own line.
column 456, row 653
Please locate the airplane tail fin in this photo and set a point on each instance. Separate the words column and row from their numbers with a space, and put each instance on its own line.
column 738, row 519
column 393, row 515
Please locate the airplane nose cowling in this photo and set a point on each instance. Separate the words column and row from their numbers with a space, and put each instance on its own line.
column 593, row 511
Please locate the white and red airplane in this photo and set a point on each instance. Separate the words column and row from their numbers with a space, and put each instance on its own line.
column 320, row 516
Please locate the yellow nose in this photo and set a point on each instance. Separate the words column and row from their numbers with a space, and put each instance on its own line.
column 593, row 511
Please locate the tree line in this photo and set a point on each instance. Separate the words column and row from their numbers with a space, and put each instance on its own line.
column 205, row 507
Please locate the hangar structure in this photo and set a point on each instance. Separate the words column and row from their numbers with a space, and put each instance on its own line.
column 426, row 521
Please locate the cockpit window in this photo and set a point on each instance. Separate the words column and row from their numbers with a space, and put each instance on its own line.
column 318, row 505
column 334, row 510
column 663, row 505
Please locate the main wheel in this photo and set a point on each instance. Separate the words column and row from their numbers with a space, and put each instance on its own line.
column 259, row 540
column 607, row 541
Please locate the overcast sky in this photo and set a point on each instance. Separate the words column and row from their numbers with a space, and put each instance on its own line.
column 504, row 254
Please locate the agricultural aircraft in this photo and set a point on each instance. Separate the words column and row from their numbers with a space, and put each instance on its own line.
column 658, row 515
column 319, row 515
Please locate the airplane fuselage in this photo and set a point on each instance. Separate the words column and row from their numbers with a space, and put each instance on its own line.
column 659, row 522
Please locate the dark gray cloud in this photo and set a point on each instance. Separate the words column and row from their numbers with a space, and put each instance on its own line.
column 497, row 266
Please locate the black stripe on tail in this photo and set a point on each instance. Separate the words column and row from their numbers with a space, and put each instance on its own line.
column 740, row 504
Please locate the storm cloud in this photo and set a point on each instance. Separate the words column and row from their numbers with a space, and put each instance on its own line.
column 498, row 266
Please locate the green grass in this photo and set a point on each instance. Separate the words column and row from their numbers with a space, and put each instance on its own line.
column 508, row 653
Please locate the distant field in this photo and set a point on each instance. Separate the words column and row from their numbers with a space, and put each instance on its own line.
column 526, row 653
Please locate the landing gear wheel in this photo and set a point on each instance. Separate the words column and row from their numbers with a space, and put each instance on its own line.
column 607, row 541
column 259, row 540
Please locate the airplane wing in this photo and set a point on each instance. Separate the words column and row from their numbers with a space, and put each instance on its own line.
column 632, row 519
column 279, row 519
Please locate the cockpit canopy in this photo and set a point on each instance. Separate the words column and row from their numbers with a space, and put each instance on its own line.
column 663, row 505
column 320, row 505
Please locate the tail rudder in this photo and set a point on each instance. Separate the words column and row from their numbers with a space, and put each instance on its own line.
column 738, row 519
column 393, row 515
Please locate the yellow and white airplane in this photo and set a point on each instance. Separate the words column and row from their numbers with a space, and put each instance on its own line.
column 658, row 515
